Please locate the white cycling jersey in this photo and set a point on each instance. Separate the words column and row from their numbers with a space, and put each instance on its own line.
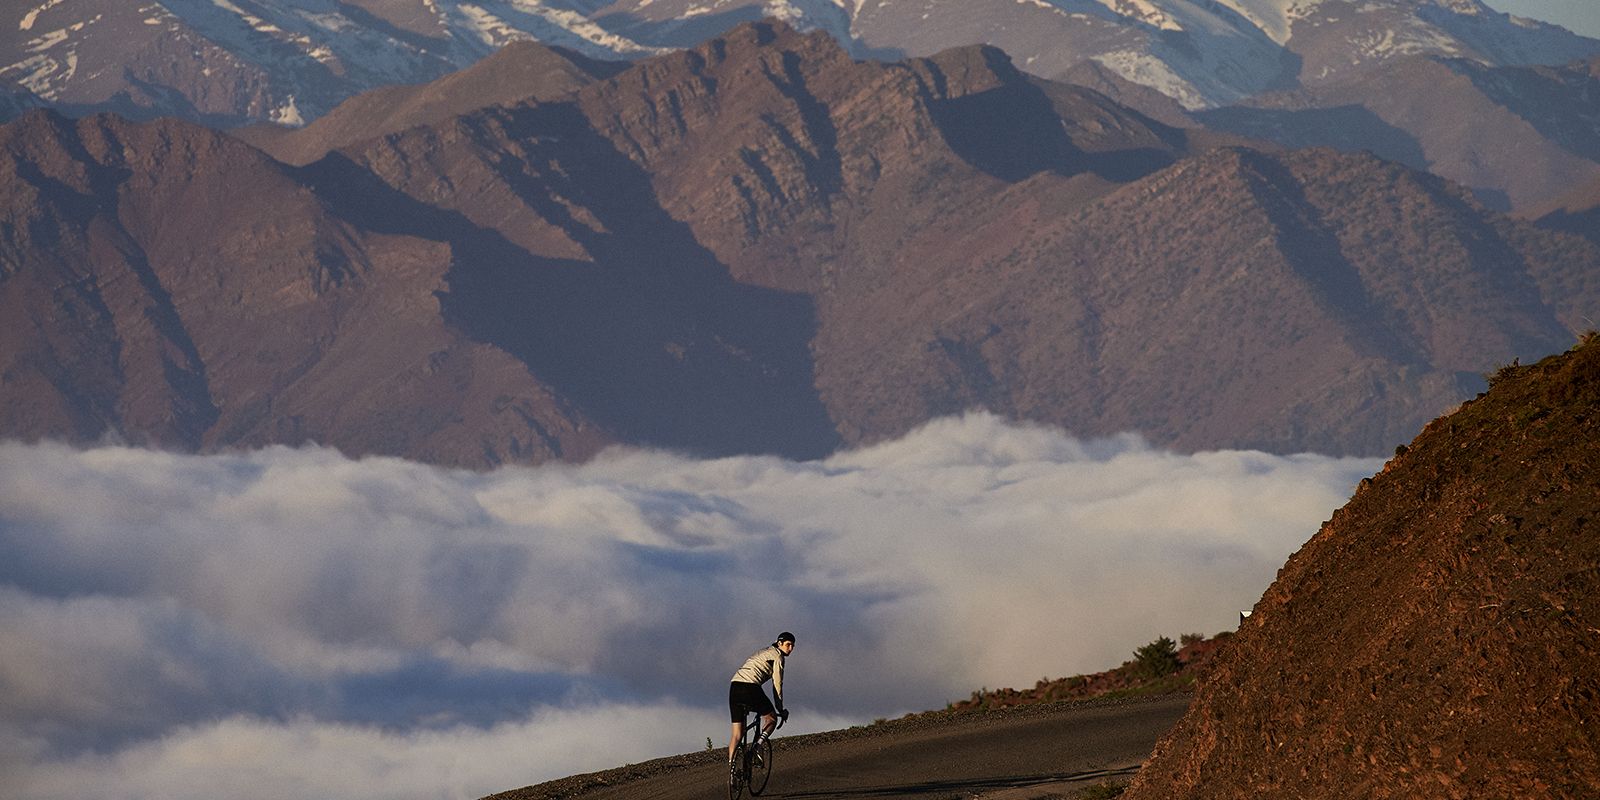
column 768, row 663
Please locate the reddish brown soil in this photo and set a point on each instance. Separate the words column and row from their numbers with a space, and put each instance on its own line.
column 1440, row 636
column 1193, row 662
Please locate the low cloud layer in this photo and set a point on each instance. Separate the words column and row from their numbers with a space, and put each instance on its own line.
column 374, row 627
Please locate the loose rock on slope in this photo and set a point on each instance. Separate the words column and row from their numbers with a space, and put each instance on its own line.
column 1440, row 636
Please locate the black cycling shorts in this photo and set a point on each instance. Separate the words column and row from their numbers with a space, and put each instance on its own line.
column 747, row 696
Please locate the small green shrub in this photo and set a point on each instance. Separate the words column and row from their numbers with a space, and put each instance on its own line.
column 1157, row 659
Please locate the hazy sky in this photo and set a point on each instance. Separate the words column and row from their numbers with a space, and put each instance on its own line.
column 1578, row 16
column 292, row 623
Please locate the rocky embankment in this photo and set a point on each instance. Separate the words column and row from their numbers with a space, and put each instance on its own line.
column 1440, row 636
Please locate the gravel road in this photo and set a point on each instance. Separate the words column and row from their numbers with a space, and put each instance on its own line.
column 1024, row 753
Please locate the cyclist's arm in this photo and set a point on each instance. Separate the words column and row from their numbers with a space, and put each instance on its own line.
column 777, row 680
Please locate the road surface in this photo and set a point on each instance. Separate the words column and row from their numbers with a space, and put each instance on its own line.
column 1026, row 753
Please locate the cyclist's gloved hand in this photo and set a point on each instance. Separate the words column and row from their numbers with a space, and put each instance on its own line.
column 783, row 713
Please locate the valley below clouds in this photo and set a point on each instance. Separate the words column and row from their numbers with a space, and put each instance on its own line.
column 294, row 623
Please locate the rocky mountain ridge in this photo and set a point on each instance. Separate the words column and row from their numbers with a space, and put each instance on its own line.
column 1521, row 137
column 173, row 287
column 291, row 61
column 519, row 72
column 757, row 245
column 1504, row 105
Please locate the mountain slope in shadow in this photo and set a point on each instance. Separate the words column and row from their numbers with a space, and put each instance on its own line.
column 758, row 245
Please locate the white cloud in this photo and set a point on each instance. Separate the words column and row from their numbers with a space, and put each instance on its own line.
column 301, row 758
column 154, row 606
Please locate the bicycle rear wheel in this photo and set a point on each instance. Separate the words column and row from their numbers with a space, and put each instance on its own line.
column 760, row 766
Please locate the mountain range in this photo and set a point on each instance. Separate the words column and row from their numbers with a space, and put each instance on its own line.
column 1521, row 137
column 758, row 244
column 292, row 60
column 1504, row 105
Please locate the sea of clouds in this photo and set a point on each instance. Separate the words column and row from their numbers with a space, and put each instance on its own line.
column 290, row 623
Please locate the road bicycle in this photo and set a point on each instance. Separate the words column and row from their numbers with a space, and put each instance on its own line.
column 752, row 758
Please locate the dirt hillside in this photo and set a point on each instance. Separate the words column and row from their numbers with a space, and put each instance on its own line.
column 1440, row 636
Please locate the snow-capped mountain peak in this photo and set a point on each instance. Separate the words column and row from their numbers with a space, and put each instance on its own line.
column 232, row 61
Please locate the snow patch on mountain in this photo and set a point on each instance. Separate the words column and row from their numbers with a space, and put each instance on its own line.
column 1204, row 53
column 484, row 26
column 1408, row 38
column 43, row 72
column 1275, row 18
column 29, row 18
column 1080, row 10
column 1041, row 4
column 833, row 16
column 33, row 74
column 32, row 16
column 254, row 22
column 1148, row 70
column 1145, row 12
column 288, row 114
column 552, row 24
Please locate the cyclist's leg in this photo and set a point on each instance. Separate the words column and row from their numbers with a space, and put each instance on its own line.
column 736, row 714
column 752, row 728
column 760, row 764
column 739, row 700
column 762, row 706
column 733, row 741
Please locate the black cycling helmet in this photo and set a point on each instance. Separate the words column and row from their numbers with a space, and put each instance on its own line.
column 785, row 637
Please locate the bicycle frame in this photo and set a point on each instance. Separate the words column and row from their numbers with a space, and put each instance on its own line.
column 745, row 774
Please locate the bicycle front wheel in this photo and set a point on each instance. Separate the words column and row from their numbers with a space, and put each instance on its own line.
column 760, row 766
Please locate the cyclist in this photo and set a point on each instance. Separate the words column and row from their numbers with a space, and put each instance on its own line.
column 745, row 690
